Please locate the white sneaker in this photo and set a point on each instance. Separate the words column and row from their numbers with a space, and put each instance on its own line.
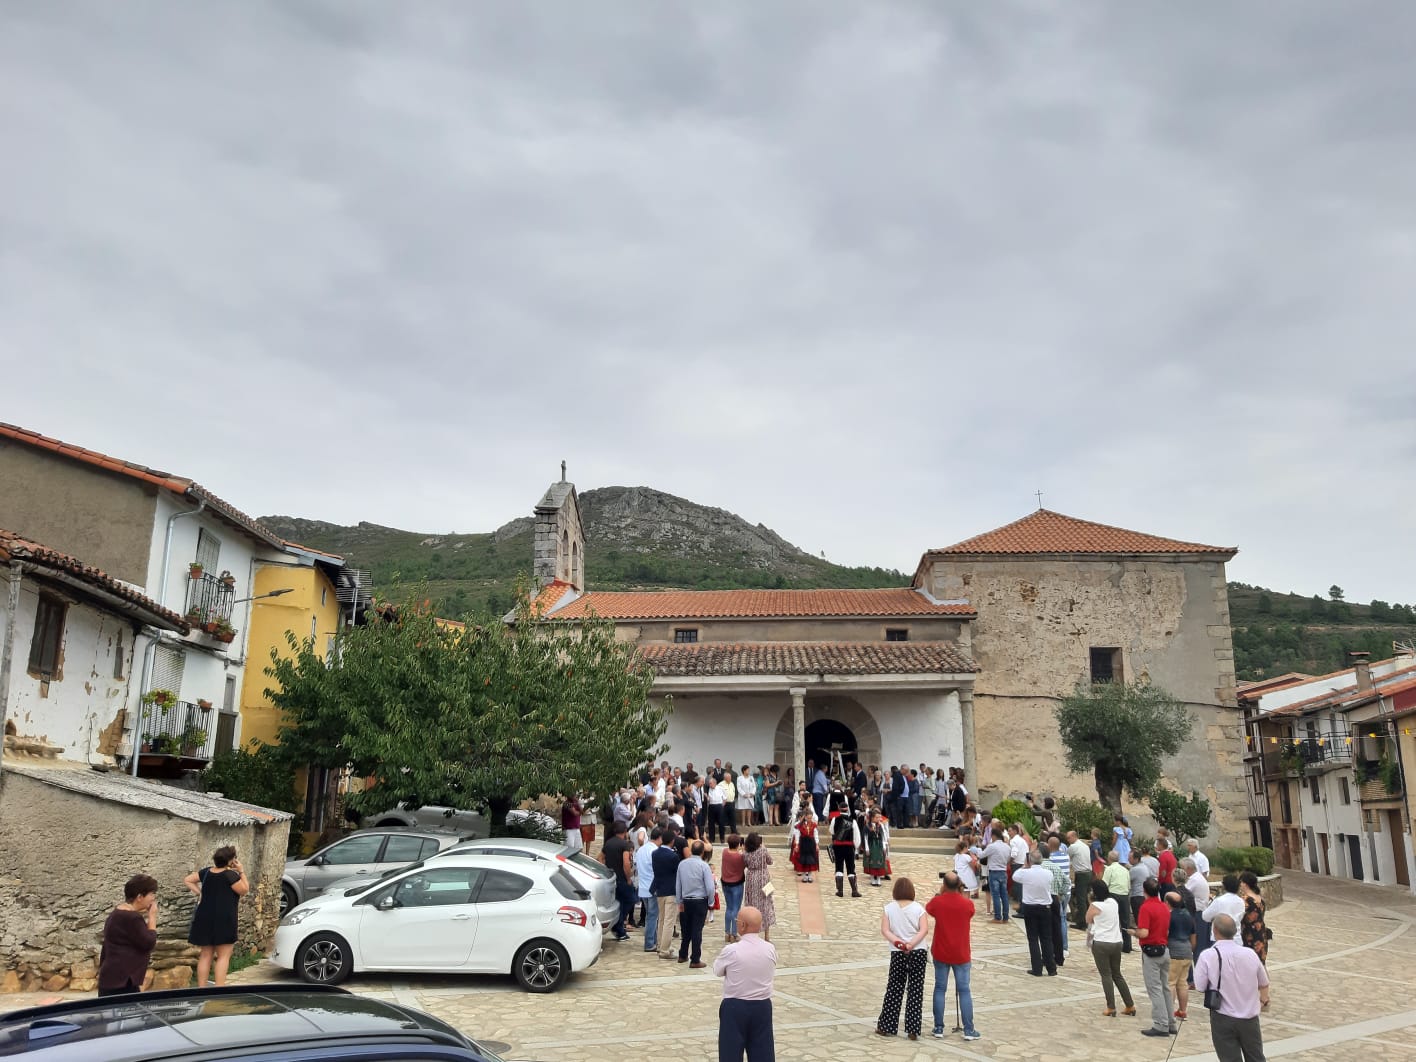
column 938, row 1034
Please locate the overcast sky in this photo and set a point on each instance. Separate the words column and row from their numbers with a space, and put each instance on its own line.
column 870, row 274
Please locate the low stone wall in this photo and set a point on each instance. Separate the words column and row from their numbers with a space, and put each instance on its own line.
column 1270, row 887
column 64, row 857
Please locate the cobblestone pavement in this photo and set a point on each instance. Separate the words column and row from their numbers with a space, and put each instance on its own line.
column 1343, row 963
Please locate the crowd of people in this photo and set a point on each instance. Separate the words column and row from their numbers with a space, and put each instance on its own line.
column 1120, row 894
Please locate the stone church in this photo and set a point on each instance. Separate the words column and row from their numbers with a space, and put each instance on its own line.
column 961, row 668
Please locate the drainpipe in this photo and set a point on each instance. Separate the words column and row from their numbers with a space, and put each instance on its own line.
column 157, row 636
column 7, row 651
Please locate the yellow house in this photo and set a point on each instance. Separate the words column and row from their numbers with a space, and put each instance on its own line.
column 310, row 594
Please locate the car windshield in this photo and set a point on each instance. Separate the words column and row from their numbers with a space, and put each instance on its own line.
column 584, row 862
column 360, row 889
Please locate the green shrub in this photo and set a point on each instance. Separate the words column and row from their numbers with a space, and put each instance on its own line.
column 1011, row 811
column 258, row 775
column 1237, row 860
column 1185, row 816
column 1084, row 815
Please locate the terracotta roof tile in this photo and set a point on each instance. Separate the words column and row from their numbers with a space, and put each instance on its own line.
column 1047, row 532
column 1346, row 692
column 165, row 480
column 549, row 596
column 14, row 547
column 806, row 658
column 892, row 602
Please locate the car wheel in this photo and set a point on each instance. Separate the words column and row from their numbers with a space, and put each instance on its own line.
column 541, row 966
column 324, row 959
column 288, row 899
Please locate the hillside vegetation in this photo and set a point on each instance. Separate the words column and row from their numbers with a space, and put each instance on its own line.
column 1276, row 633
column 638, row 538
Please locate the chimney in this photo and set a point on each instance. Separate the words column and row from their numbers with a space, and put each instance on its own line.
column 1362, row 670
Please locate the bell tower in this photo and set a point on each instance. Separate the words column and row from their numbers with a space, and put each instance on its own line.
column 559, row 536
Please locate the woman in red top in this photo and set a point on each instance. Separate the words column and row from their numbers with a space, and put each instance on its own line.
column 129, row 936
column 732, row 881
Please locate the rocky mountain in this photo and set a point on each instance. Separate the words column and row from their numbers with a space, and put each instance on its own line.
column 636, row 537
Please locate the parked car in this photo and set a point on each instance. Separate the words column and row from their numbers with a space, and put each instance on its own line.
column 469, row 913
column 594, row 875
column 361, row 853
column 469, row 823
column 275, row 1023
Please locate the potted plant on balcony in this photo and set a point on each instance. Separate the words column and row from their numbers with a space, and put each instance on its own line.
column 194, row 616
column 193, row 740
column 195, row 570
column 1389, row 771
column 204, row 705
column 224, row 632
column 228, row 580
column 163, row 699
column 164, row 745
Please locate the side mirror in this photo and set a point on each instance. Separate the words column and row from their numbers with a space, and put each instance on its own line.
column 388, row 903
column 318, row 861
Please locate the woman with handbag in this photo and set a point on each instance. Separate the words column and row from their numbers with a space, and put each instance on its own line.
column 1104, row 939
column 757, row 881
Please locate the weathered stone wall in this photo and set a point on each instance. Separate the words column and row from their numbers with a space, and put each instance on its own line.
column 64, row 858
column 1037, row 620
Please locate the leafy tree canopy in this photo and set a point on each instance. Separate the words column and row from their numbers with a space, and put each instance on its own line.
column 481, row 715
column 1122, row 733
column 1185, row 816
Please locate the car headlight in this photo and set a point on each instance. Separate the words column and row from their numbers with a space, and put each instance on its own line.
column 295, row 917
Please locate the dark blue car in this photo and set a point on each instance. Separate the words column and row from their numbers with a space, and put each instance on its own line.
column 271, row 1023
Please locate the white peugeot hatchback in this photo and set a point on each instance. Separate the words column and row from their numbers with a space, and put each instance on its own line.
column 461, row 914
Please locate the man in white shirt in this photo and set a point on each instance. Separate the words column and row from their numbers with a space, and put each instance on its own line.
column 1227, row 902
column 1018, row 857
column 995, row 860
column 1202, row 863
column 716, row 819
column 1197, row 885
column 1035, row 886
column 1080, row 859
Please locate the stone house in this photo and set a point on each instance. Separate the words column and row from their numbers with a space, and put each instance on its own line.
column 1063, row 601
column 71, row 836
column 961, row 668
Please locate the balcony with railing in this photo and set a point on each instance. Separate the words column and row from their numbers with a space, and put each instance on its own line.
column 209, row 602
column 1378, row 780
column 176, row 736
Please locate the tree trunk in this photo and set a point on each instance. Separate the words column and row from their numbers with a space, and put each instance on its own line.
column 497, row 807
column 1108, row 793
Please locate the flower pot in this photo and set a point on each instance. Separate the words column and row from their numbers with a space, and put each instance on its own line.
column 195, row 571
column 189, row 751
column 227, row 638
column 210, row 627
column 204, row 705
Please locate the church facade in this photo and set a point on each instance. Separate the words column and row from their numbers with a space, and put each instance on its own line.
column 961, row 668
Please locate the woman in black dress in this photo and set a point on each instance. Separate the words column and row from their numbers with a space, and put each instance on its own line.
column 218, row 889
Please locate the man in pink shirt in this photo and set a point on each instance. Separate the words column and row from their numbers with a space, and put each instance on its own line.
column 1243, row 986
column 745, row 1014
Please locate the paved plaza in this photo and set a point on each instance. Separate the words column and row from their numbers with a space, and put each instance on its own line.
column 1343, row 963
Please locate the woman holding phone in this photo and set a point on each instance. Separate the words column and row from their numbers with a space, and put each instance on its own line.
column 218, row 889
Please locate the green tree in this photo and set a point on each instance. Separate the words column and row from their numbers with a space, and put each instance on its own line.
column 1265, row 604
column 1335, row 592
column 1084, row 815
column 1121, row 733
column 1184, row 816
column 482, row 715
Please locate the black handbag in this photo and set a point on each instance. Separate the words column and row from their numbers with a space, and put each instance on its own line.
column 1212, row 994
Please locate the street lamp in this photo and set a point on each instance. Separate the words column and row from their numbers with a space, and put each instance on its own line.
column 258, row 597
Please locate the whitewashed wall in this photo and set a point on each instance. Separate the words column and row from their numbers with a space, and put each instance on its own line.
column 87, row 699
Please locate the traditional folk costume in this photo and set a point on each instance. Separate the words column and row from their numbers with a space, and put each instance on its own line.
column 805, row 856
column 877, row 849
column 845, row 840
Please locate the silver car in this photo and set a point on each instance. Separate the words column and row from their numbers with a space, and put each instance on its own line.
column 362, row 854
column 594, row 876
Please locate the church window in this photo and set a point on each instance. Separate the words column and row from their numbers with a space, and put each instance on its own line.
column 685, row 635
column 897, row 634
column 1105, row 665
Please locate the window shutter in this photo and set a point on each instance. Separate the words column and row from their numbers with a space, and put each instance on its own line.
column 208, row 551
column 167, row 667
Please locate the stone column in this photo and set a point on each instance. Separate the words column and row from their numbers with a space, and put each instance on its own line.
column 799, row 730
column 966, row 719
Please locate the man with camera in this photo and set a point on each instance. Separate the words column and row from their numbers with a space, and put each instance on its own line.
column 1236, row 989
column 952, row 911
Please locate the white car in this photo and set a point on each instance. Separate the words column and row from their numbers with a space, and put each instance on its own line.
column 462, row 914
column 589, row 872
